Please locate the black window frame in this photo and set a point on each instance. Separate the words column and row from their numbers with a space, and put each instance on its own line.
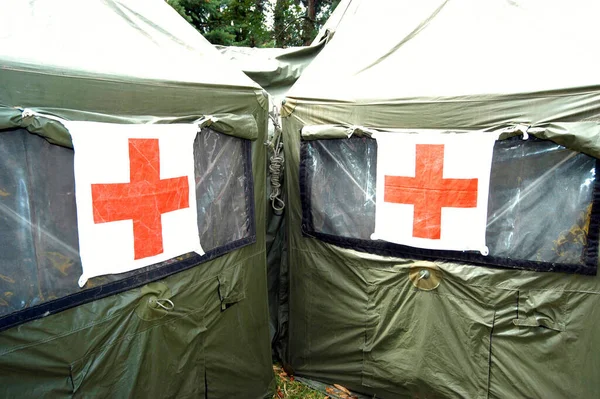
column 384, row 248
column 154, row 272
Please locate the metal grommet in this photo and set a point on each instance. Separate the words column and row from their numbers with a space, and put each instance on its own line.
column 425, row 276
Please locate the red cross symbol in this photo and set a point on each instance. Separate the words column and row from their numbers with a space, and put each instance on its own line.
column 429, row 191
column 144, row 199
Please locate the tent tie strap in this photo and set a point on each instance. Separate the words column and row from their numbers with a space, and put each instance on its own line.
column 164, row 303
column 29, row 113
column 276, row 162
column 521, row 128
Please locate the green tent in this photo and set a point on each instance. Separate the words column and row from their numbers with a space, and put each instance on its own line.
column 193, row 326
column 396, row 321
column 275, row 70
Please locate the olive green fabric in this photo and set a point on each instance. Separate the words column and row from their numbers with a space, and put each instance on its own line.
column 242, row 126
column 356, row 319
column 123, row 346
column 53, row 130
column 149, row 67
column 321, row 132
column 274, row 69
column 580, row 136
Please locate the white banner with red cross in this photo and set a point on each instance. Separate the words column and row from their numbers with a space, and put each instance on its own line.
column 432, row 189
column 135, row 195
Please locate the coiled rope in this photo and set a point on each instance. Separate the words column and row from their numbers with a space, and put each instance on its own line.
column 276, row 163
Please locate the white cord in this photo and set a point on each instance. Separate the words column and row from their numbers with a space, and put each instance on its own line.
column 276, row 163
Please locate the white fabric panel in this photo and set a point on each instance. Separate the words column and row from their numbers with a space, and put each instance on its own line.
column 435, row 169
column 103, row 157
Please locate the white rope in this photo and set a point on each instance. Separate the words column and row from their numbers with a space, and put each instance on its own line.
column 170, row 304
column 276, row 162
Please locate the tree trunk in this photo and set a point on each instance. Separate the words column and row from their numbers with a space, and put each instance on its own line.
column 279, row 23
column 309, row 22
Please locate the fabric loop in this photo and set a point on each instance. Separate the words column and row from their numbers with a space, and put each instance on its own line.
column 524, row 129
column 166, row 304
column 359, row 130
column 205, row 121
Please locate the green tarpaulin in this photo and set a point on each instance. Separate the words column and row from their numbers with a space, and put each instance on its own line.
column 276, row 70
column 126, row 62
column 357, row 318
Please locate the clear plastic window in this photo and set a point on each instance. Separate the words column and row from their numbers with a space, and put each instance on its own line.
column 539, row 211
column 39, row 259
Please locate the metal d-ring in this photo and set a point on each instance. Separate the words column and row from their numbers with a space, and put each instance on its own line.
column 160, row 303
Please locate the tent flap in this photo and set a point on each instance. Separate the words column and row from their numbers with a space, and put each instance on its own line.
column 187, row 327
column 578, row 136
column 49, row 129
column 241, row 126
column 356, row 316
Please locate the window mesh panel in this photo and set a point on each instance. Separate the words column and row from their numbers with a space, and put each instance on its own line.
column 539, row 209
column 39, row 259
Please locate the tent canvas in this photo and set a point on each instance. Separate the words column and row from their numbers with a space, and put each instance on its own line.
column 127, row 62
column 275, row 70
column 358, row 313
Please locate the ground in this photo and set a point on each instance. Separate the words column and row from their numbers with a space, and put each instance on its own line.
column 288, row 388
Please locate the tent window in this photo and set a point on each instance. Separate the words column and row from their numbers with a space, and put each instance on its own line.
column 542, row 212
column 39, row 261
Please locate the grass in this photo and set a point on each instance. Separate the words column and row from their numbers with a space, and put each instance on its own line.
column 289, row 388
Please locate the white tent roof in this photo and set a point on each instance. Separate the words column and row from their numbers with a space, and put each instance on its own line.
column 145, row 39
column 386, row 50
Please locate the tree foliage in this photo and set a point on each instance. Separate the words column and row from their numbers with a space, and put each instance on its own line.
column 256, row 23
